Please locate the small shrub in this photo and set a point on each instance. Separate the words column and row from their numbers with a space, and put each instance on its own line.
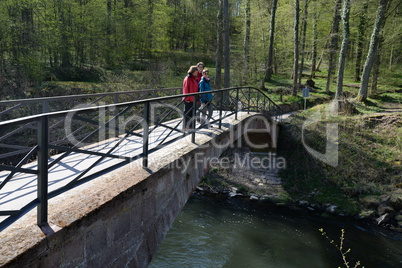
column 340, row 248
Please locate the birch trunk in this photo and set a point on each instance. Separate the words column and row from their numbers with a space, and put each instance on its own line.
column 344, row 47
column 296, row 48
column 375, row 37
column 360, row 41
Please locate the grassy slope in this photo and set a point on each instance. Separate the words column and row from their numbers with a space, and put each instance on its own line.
column 370, row 153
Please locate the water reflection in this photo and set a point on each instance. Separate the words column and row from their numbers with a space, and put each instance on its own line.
column 226, row 233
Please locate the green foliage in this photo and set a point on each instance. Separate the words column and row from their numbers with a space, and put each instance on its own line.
column 71, row 37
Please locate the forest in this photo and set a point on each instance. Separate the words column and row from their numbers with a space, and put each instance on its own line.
column 153, row 42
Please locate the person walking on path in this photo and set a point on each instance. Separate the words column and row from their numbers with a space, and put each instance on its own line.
column 206, row 99
column 190, row 85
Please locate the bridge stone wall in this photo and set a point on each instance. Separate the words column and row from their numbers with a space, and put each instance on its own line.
column 119, row 219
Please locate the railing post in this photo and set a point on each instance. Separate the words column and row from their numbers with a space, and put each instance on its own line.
column 220, row 110
column 116, row 120
column 237, row 103
column 145, row 136
column 43, row 153
column 258, row 100
column 45, row 106
column 249, row 99
column 193, row 119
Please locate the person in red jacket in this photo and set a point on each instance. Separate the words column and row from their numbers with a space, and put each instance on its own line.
column 190, row 85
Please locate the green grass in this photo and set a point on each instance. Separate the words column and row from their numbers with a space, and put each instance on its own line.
column 370, row 149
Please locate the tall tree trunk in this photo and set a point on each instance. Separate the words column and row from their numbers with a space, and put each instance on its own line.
column 362, row 96
column 80, row 44
column 303, row 45
column 314, row 48
column 317, row 68
column 296, row 48
column 219, row 46
column 360, row 40
column 247, row 41
column 65, row 52
column 268, row 72
column 27, row 29
column 109, row 33
column 376, row 66
column 344, row 47
column 226, row 82
column 333, row 47
column 150, row 36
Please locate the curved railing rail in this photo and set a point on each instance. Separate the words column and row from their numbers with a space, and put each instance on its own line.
column 11, row 109
column 108, row 136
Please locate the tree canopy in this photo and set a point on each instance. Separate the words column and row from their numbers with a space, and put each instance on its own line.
column 81, row 39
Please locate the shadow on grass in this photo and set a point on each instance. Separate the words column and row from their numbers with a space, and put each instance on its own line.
column 279, row 82
column 361, row 171
column 387, row 98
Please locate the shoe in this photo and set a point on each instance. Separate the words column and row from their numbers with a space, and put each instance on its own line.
column 190, row 129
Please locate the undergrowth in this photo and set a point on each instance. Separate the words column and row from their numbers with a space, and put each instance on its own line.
column 369, row 158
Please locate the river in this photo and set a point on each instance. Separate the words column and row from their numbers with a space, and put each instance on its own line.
column 214, row 232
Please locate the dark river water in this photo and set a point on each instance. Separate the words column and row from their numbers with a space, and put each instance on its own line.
column 212, row 232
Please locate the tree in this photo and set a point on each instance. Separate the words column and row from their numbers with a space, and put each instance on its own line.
column 296, row 48
column 303, row 42
column 375, row 37
column 64, row 20
column 109, row 48
column 344, row 47
column 219, row 46
column 314, row 48
column 377, row 60
column 376, row 66
column 150, row 37
column 269, row 67
column 360, row 40
column 333, row 44
column 46, row 39
column 247, row 40
column 226, row 34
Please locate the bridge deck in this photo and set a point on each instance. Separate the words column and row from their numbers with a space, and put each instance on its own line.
column 22, row 188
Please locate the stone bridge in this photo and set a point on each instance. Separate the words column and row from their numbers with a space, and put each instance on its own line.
column 110, row 203
column 120, row 218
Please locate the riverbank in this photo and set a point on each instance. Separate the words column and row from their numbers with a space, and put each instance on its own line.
column 365, row 184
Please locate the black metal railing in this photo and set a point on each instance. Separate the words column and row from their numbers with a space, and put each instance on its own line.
column 109, row 136
column 11, row 109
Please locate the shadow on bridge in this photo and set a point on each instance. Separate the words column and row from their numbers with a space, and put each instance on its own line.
column 47, row 153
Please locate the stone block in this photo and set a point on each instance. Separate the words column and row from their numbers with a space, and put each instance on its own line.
column 96, row 238
column 120, row 226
